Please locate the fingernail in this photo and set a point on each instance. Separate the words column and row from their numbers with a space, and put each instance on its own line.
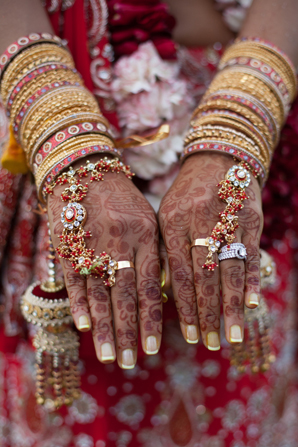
column 83, row 322
column 128, row 361
column 151, row 345
column 107, row 352
column 213, row 341
column 162, row 277
column 192, row 334
column 236, row 334
column 254, row 299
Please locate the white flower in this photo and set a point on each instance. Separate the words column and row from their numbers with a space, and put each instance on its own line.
column 140, row 71
column 148, row 110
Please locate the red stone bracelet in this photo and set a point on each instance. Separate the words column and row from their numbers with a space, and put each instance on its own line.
column 24, row 42
column 67, row 161
column 231, row 149
column 63, row 135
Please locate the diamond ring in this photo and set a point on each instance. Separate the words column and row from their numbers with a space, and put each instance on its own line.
column 236, row 250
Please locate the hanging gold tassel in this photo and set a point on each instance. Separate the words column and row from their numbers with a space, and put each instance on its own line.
column 47, row 306
column 13, row 158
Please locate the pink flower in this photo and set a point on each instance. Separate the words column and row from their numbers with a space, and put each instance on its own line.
column 140, row 71
column 147, row 110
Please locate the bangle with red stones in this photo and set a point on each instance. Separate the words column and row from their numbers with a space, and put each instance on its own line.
column 72, row 245
column 231, row 191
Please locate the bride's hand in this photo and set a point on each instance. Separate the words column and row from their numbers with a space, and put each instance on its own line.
column 124, row 225
column 189, row 211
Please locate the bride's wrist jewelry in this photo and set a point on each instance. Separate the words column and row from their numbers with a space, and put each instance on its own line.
column 251, row 94
column 48, row 107
column 232, row 192
column 72, row 245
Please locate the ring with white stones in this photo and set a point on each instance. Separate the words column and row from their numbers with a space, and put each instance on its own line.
column 205, row 242
column 236, row 250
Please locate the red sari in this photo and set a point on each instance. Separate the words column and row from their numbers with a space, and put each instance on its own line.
column 185, row 395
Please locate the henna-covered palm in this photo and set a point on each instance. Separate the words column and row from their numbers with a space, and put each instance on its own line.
column 124, row 225
column 189, row 211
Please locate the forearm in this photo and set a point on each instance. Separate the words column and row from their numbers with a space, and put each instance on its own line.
column 19, row 18
column 275, row 21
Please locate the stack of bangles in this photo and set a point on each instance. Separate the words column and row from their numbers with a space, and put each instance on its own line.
column 55, row 120
column 241, row 114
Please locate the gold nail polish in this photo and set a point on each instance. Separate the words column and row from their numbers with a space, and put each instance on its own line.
column 236, row 334
column 107, row 353
column 151, row 345
column 192, row 334
column 128, row 361
column 83, row 322
column 163, row 277
column 254, row 299
column 213, row 341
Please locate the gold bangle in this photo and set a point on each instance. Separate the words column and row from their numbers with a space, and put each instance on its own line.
column 279, row 69
column 35, row 136
column 68, row 149
column 224, row 104
column 275, row 128
column 266, row 53
column 251, row 85
column 256, row 154
column 36, row 84
column 50, row 105
column 83, row 117
column 239, row 125
column 283, row 104
column 30, row 59
column 62, row 117
column 227, row 134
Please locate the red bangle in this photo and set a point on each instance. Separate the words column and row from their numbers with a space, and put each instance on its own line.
column 270, row 46
column 263, row 68
column 63, row 135
column 24, row 42
column 231, row 149
column 64, row 163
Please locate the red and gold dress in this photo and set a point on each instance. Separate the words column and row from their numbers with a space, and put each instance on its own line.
column 185, row 395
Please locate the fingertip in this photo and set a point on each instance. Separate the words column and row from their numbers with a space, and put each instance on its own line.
column 83, row 323
column 252, row 300
column 127, row 359
column 190, row 333
column 106, row 353
column 213, row 341
column 151, row 345
column 235, row 334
